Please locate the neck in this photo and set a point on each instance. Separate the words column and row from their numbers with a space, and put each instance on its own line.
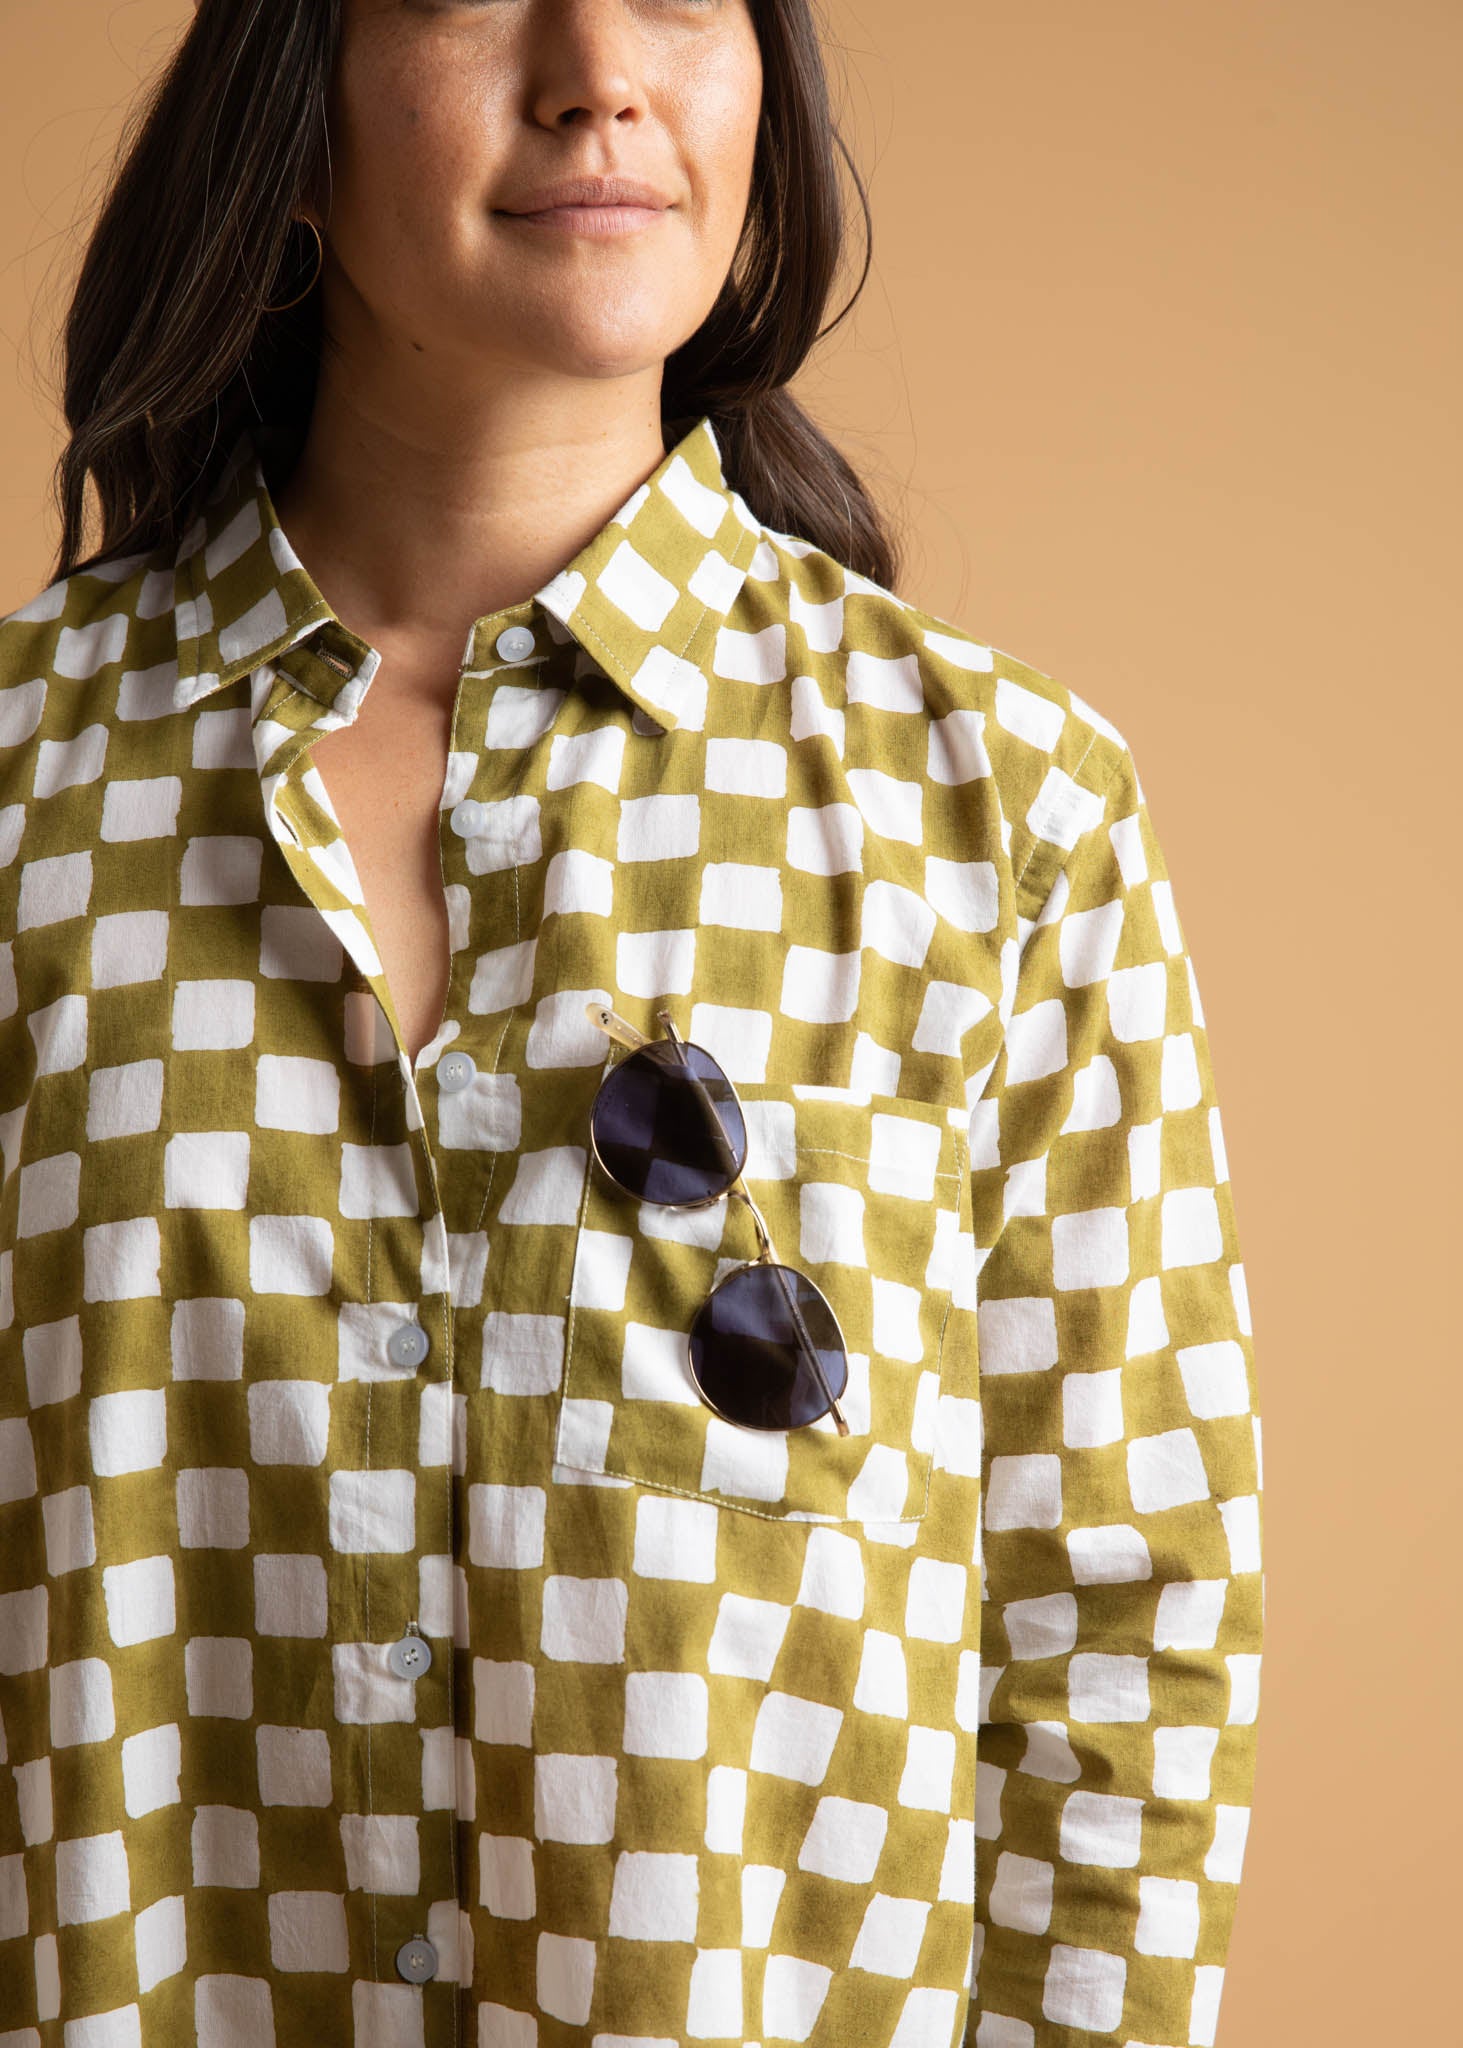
column 415, row 520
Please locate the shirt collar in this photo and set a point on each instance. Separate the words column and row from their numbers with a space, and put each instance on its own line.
column 645, row 597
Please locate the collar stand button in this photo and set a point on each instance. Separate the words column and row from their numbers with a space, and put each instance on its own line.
column 514, row 642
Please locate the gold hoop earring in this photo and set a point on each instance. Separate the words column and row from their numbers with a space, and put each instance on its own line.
column 319, row 266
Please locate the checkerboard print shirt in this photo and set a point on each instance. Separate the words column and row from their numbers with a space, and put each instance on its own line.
column 394, row 1649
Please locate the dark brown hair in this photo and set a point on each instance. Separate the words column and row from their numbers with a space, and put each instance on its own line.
column 168, row 353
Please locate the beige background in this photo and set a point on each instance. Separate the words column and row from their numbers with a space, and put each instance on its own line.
column 1154, row 360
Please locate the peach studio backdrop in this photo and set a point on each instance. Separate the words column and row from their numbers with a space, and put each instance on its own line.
column 1154, row 364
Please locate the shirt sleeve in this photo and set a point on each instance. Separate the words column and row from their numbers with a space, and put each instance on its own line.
column 1121, row 1531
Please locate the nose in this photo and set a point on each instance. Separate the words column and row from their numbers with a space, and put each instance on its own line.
column 588, row 67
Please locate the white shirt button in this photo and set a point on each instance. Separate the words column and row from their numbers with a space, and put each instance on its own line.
column 408, row 1344
column 514, row 642
column 410, row 1656
column 454, row 1071
column 467, row 817
column 416, row 1960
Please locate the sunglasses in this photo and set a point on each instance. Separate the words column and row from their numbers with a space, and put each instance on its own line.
column 666, row 1126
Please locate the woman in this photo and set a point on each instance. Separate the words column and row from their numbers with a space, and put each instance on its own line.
column 627, row 1409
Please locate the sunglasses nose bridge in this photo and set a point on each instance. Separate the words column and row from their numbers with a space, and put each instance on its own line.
column 766, row 1254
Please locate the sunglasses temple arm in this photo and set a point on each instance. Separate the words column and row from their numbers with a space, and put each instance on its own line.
column 805, row 1342
column 810, row 1351
column 715, row 1129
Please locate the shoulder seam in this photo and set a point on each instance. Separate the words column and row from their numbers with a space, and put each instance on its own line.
column 1066, row 853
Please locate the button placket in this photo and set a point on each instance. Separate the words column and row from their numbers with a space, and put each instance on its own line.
column 475, row 870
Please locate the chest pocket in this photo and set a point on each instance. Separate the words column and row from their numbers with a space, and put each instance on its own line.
column 862, row 1195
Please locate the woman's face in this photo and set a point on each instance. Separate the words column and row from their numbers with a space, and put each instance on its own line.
column 447, row 114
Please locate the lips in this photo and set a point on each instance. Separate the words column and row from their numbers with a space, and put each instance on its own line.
column 598, row 193
column 599, row 222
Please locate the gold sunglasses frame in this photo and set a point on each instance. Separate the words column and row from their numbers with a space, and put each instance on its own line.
column 625, row 1033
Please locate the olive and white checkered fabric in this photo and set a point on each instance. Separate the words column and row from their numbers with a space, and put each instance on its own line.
column 394, row 1649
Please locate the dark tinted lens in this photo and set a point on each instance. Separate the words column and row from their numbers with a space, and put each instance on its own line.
column 661, row 1135
column 746, row 1353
